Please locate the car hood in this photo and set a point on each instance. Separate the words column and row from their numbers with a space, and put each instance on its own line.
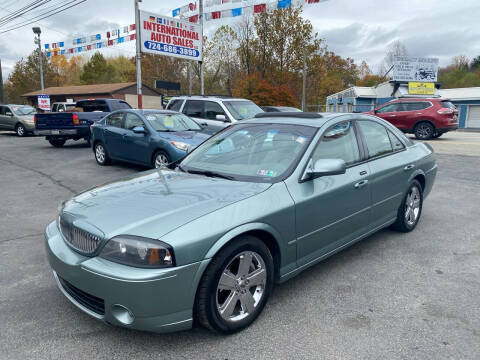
column 153, row 203
column 190, row 137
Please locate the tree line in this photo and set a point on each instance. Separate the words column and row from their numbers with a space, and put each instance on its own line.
column 260, row 58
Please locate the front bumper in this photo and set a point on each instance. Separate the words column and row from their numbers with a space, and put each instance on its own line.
column 158, row 300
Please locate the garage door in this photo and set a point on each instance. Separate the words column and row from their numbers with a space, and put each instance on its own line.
column 473, row 120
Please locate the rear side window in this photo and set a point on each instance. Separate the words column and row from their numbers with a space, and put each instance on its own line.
column 413, row 106
column 447, row 104
column 175, row 105
column 396, row 143
column 115, row 120
column 338, row 142
column 3, row 110
column 194, row 108
column 377, row 138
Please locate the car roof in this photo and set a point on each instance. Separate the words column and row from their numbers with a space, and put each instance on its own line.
column 209, row 97
column 146, row 111
column 294, row 118
column 418, row 99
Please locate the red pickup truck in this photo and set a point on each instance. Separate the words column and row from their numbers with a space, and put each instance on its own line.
column 426, row 118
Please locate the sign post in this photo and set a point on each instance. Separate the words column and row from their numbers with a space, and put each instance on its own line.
column 200, row 20
column 138, row 55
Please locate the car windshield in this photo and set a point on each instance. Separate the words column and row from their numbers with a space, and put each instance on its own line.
column 23, row 110
column 241, row 110
column 251, row 152
column 171, row 122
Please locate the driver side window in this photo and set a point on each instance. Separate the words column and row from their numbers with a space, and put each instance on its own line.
column 132, row 121
column 388, row 108
column 338, row 142
column 115, row 120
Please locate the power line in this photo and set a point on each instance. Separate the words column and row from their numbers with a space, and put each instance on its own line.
column 44, row 17
column 17, row 13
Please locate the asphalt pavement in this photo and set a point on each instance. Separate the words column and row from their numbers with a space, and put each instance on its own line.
column 391, row 296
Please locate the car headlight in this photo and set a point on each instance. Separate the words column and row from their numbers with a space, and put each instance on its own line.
column 29, row 121
column 138, row 252
column 180, row 145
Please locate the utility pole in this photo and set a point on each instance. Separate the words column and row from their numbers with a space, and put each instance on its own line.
column 2, row 97
column 37, row 31
column 189, row 69
column 138, row 55
column 304, row 84
column 200, row 19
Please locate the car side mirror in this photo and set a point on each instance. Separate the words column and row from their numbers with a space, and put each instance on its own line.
column 139, row 130
column 324, row 167
column 221, row 117
column 375, row 111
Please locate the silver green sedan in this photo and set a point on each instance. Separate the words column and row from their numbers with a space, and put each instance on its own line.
column 205, row 240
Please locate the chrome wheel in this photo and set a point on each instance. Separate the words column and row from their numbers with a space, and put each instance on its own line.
column 241, row 286
column 100, row 153
column 412, row 206
column 161, row 161
column 20, row 130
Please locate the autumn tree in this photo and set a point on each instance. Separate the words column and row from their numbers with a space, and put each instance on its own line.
column 124, row 67
column 98, row 71
column 260, row 91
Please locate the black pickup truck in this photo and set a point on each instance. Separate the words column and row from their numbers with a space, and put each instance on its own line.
column 59, row 127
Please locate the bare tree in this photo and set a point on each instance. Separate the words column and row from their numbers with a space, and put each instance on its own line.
column 396, row 48
column 461, row 62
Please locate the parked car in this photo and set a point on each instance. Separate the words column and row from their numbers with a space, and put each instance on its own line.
column 18, row 118
column 147, row 137
column 280, row 109
column 256, row 204
column 63, row 106
column 61, row 126
column 212, row 112
column 426, row 118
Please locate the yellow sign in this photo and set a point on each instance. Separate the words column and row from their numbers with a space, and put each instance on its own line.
column 421, row 88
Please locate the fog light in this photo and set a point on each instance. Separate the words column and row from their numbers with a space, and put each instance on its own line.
column 122, row 314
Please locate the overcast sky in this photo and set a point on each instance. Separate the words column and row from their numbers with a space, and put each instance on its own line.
column 358, row 29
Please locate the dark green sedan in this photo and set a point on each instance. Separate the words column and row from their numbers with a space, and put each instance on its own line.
column 205, row 241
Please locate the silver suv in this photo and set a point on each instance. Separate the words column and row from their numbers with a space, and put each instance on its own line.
column 213, row 112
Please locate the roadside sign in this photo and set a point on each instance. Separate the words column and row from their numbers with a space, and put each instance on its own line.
column 421, row 88
column 415, row 69
column 167, row 36
column 44, row 102
column 167, row 85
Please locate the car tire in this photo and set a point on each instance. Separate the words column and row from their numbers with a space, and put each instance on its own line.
column 424, row 131
column 437, row 135
column 410, row 210
column 20, row 130
column 246, row 269
column 160, row 159
column 101, row 154
column 57, row 142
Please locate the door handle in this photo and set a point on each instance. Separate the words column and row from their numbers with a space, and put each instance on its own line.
column 409, row 167
column 361, row 184
column 392, row 115
column 419, row 114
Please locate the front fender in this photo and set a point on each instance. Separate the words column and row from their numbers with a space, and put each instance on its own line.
column 241, row 230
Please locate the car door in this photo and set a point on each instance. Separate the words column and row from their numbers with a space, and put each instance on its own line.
column 113, row 134
column 414, row 111
column 136, row 146
column 3, row 118
column 197, row 109
column 389, row 169
column 389, row 113
column 331, row 211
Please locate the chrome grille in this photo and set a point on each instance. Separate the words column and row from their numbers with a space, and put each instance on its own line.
column 79, row 239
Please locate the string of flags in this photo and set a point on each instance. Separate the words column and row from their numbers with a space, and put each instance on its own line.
column 91, row 42
column 247, row 8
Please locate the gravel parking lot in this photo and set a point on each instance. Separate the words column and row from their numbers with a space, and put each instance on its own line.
column 392, row 296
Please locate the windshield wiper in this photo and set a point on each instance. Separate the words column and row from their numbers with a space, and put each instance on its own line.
column 211, row 174
column 168, row 130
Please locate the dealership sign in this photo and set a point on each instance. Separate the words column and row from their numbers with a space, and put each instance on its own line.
column 421, row 88
column 164, row 35
column 415, row 69
column 44, row 102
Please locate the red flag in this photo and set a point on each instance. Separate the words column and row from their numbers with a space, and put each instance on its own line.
column 132, row 27
column 70, row 51
column 259, row 8
column 132, row 37
column 217, row 14
column 192, row 6
column 193, row 19
column 110, row 42
column 89, row 47
column 108, row 34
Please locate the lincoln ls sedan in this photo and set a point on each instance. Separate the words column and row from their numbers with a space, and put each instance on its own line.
column 205, row 240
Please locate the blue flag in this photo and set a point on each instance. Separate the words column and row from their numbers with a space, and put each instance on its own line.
column 237, row 12
column 176, row 12
column 282, row 4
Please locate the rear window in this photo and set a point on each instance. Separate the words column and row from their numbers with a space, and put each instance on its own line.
column 119, row 105
column 93, row 105
column 447, row 104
